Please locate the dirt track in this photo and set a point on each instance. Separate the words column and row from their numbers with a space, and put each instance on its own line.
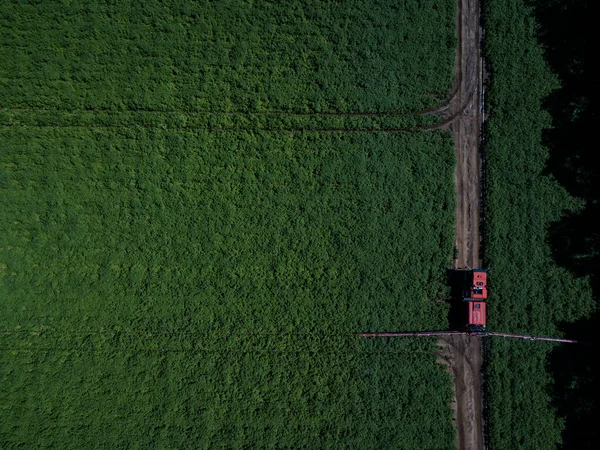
column 463, row 115
column 463, row 356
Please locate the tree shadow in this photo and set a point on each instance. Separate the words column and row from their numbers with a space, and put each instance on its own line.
column 575, row 388
column 565, row 33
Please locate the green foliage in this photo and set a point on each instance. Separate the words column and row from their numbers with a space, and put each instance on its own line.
column 185, row 259
column 208, row 213
column 283, row 391
column 240, row 55
column 530, row 293
column 167, row 287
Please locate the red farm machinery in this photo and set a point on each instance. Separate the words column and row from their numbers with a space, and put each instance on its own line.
column 474, row 297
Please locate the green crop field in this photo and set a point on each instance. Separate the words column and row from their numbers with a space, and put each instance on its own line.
column 301, row 56
column 185, row 258
column 530, row 293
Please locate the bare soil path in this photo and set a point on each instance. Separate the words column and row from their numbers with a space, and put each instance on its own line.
column 463, row 115
column 464, row 357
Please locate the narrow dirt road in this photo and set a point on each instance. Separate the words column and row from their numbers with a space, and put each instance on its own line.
column 463, row 115
column 463, row 356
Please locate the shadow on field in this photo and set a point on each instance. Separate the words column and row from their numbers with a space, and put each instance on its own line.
column 575, row 389
column 456, row 279
column 566, row 34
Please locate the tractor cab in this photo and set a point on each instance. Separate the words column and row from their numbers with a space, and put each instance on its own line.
column 478, row 285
